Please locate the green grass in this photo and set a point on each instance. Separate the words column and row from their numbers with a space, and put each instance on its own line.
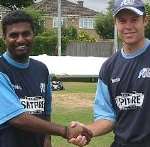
column 79, row 87
column 64, row 115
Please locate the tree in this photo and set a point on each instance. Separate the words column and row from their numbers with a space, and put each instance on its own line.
column 110, row 5
column 14, row 4
column 147, row 30
column 38, row 19
column 104, row 25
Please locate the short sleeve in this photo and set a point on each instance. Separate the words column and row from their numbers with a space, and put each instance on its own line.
column 103, row 108
column 10, row 105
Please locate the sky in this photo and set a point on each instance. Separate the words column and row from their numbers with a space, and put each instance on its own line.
column 98, row 5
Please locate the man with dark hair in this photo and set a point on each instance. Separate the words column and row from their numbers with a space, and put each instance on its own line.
column 15, row 17
column 25, row 95
column 123, row 95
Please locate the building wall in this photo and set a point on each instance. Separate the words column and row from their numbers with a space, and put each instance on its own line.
column 71, row 21
column 48, row 22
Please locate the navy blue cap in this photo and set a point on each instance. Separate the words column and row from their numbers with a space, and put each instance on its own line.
column 136, row 6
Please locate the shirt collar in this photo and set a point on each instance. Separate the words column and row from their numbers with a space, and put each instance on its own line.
column 137, row 52
column 11, row 61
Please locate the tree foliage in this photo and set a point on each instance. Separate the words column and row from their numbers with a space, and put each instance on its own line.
column 14, row 4
column 147, row 30
column 38, row 19
column 104, row 25
column 110, row 5
column 70, row 32
column 83, row 36
column 45, row 43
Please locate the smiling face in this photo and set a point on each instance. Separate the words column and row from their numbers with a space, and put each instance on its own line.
column 18, row 38
column 130, row 28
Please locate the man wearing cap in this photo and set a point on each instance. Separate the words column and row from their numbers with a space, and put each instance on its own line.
column 122, row 101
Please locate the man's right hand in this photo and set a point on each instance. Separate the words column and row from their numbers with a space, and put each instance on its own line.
column 79, row 134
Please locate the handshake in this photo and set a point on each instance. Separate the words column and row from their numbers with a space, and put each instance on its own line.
column 78, row 134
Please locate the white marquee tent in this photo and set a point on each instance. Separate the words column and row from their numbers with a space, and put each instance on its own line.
column 68, row 66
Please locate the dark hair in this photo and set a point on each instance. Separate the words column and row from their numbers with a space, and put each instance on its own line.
column 16, row 17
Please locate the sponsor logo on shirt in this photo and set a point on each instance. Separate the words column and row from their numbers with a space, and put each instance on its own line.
column 42, row 87
column 144, row 73
column 130, row 100
column 115, row 80
column 34, row 105
column 17, row 87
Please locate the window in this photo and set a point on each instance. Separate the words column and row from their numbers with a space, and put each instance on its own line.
column 86, row 23
column 55, row 22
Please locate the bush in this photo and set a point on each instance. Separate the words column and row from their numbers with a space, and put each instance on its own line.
column 44, row 45
column 83, row 36
column 71, row 33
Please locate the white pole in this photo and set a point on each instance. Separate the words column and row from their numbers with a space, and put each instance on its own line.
column 59, row 28
column 115, row 39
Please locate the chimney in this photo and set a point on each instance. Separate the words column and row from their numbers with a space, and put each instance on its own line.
column 80, row 3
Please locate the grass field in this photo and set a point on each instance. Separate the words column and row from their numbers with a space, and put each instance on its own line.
column 75, row 104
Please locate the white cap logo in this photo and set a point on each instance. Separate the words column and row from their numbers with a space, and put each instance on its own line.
column 127, row 2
